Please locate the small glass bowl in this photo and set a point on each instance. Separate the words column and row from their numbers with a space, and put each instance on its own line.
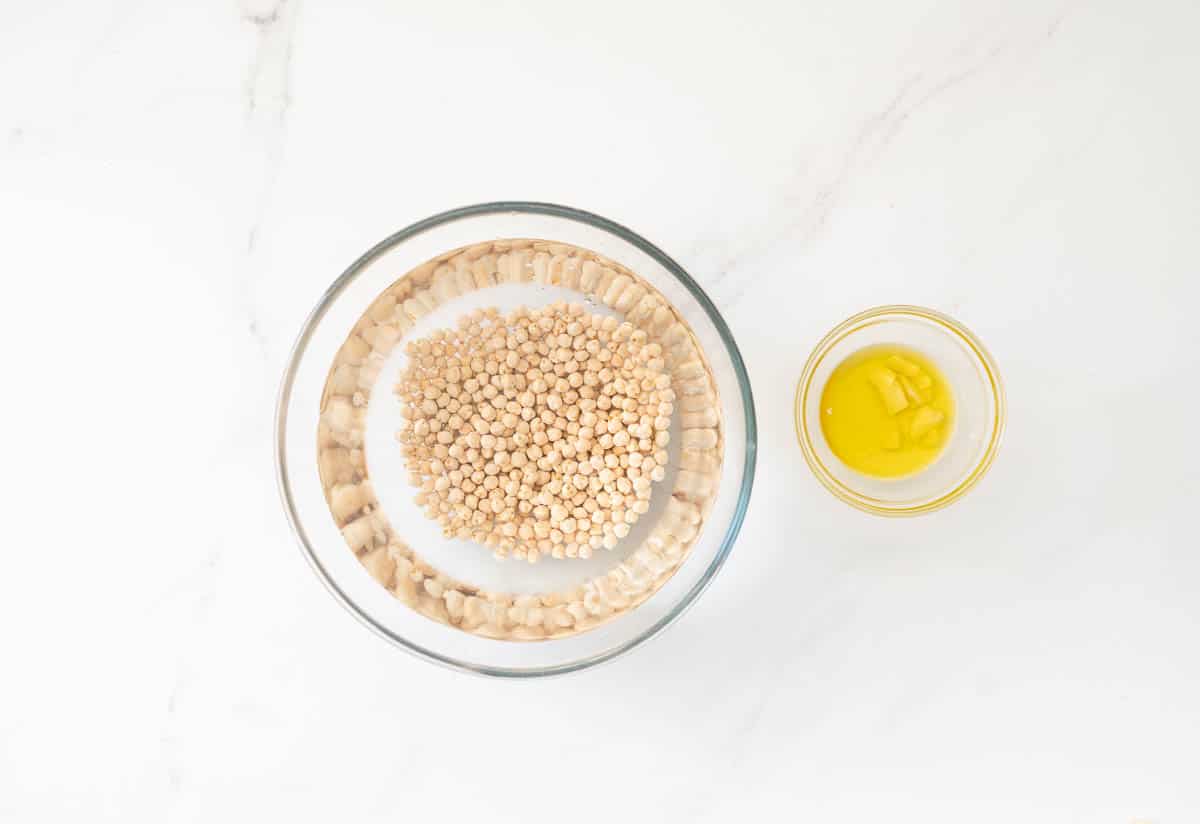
column 335, row 564
column 979, row 410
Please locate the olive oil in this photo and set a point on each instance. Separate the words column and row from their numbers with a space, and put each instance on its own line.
column 887, row 411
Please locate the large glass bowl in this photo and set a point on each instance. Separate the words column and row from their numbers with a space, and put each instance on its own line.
column 304, row 502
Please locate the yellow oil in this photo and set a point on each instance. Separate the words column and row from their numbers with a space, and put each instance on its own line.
column 887, row 411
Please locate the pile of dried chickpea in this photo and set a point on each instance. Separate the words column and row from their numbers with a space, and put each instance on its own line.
column 536, row 433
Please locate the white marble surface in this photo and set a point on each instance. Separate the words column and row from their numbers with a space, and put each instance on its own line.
column 180, row 181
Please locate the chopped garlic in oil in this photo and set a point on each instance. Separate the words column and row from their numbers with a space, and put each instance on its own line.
column 887, row 411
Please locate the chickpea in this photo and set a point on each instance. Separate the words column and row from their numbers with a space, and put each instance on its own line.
column 539, row 431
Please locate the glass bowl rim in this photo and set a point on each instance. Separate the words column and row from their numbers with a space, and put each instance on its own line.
column 534, row 208
column 849, row 326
